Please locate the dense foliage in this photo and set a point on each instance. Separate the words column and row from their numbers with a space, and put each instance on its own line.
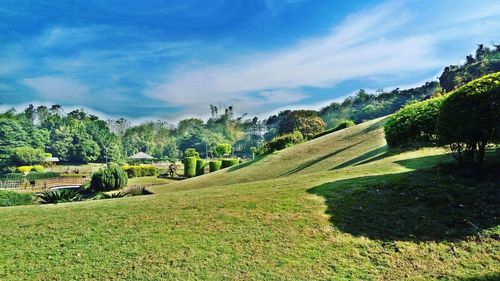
column 415, row 124
column 110, row 178
column 12, row 198
column 59, row 196
column 281, row 142
column 470, row 118
column 223, row 149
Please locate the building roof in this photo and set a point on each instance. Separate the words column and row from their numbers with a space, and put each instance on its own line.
column 141, row 155
column 51, row 159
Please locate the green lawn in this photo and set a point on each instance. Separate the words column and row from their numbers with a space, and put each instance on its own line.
column 337, row 208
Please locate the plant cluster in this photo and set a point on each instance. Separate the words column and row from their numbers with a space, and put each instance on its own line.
column 142, row 170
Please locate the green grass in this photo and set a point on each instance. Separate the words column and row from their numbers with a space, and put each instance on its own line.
column 337, row 208
column 147, row 181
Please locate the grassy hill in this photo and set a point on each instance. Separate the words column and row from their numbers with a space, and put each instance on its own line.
column 339, row 207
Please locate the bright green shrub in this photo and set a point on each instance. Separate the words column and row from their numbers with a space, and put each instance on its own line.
column 143, row 170
column 414, row 124
column 38, row 168
column 229, row 162
column 24, row 169
column 215, row 165
column 190, row 167
column 12, row 198
column 110, row 178
column 200, row 167
column 470, row 118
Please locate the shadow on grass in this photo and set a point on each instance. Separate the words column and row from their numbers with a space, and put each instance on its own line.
column 414, row 206
column 319, row 159
column 373, row 155
column 375, row 126
column 246, row 164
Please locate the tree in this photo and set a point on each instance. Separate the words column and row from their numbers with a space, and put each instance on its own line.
column 470, row 118
column 27, row 156
column 191, row 152
column 223, row 149
column 305, row 121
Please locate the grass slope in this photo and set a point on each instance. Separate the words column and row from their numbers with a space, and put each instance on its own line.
column 339, row 207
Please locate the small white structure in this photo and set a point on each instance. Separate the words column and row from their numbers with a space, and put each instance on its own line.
column 141, row 156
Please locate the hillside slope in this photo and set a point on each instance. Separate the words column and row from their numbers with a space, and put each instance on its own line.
column 340, row 207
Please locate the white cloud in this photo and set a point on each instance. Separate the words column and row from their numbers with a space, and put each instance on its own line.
column 355, row 49
column 57, row 88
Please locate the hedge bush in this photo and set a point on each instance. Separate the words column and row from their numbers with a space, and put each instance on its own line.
column 215, row 165
column 190, row 166
column 414, row 124
column 225, row 163
column 470, row 118
column 12, row 198
column 200, row 166
column 143, row 170
column 110, row 178
column 24, row 169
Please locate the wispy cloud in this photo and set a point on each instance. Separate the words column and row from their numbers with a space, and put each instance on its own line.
column 357, row 48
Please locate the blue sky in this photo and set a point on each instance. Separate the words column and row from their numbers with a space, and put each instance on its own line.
column 171, row 59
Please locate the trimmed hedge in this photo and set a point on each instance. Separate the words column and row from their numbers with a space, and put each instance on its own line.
column 140, row 170
column 200, row 166
column 414, row 124
column 215, row 165
column 30, row 176
column 190, row 167
column 229, row 162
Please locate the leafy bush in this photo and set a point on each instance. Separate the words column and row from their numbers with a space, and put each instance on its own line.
column 12, row 198
column 281, row 142
column 24, row 169
column 38, row 168
column 344, row 124
column 110, row 178
column 59, row 196
column 223, row 149
column 40, row 176
column 229, row 162
column 307, row 122
column 191, row 152
column 470, row 118
column 414, row 124
column 190, row 167
column 200, row 167
column 215, row 165
column 142, row 170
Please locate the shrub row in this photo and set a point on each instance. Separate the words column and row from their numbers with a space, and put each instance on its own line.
column 201, row 164
column 30, row 176
column 27, row 169
column 142, row 170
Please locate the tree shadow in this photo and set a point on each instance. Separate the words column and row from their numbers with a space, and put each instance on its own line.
column 413, row 206
column 373, row 155
column 319, row 159
column 375, row 126
column 494, row 276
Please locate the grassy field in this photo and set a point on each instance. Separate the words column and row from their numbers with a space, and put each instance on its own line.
column 340, row 207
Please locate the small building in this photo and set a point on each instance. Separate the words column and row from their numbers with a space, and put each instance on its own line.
column 52, row 160
column 141, row 156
